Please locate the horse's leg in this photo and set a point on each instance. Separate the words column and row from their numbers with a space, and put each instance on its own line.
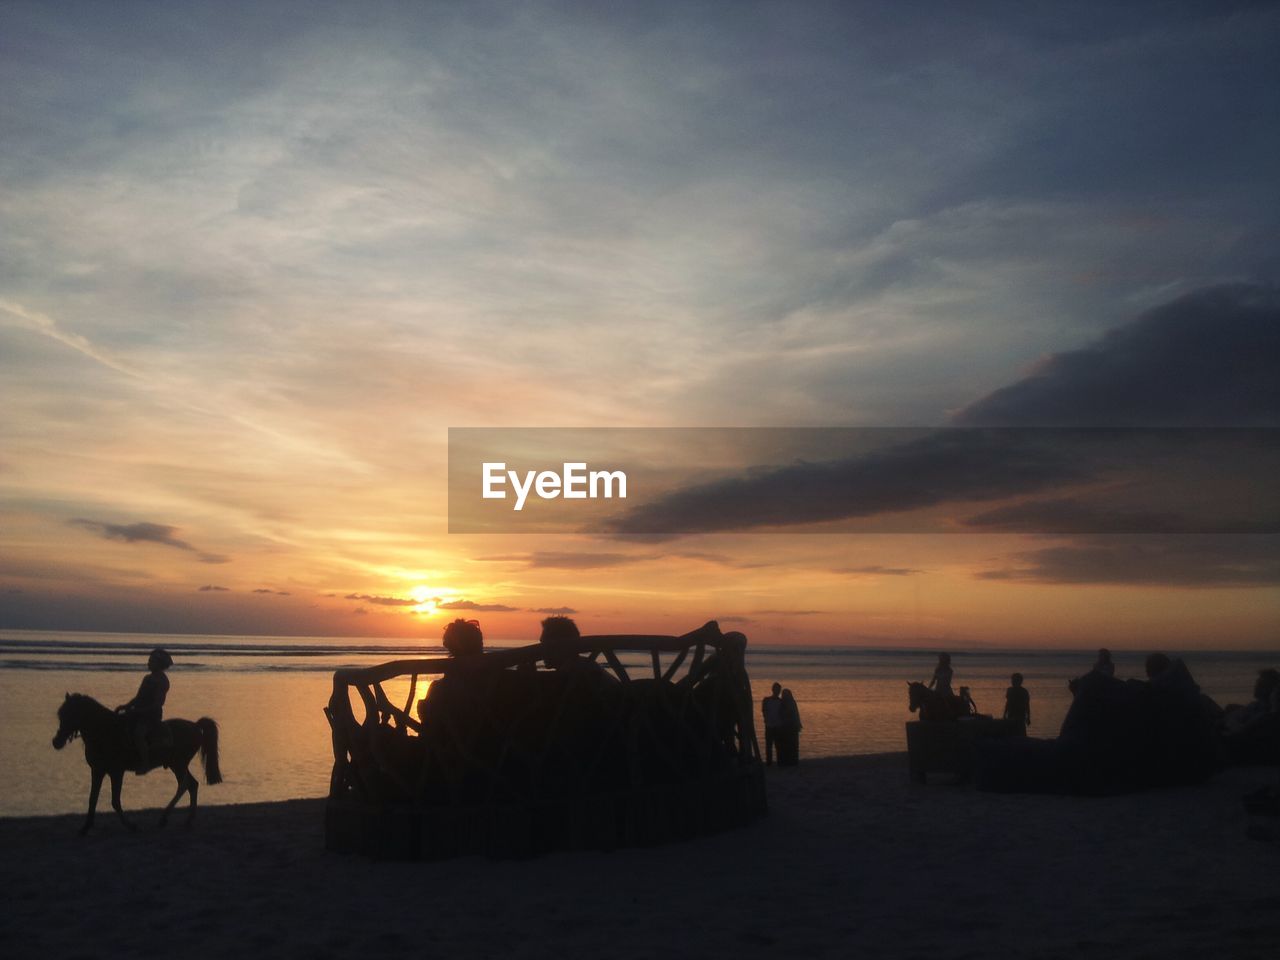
column 193, row 787
column 182, row 777
column 117, row 777
column 94, row 788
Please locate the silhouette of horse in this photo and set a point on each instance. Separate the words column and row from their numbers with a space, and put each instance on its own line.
column 932, row 704
column 109, row 750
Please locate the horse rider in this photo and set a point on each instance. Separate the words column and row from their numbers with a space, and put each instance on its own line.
column 146, row 710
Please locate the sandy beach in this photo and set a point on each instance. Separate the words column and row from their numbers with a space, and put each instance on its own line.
column 852, row 860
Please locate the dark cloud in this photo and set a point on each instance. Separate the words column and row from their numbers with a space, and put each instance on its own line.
column 1068, row 516
column 736, row 619
column 1183, row 561
column 555, row 611
column 278, row 593
column 159, row 533
column 875, row 569
column 383, row 601
column 478, row 607
column 787, row 613
column 1210, row 358
column 579, row 561
column 213, row 587
column 933, row 469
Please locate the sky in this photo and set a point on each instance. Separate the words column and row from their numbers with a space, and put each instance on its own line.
column 257, row 259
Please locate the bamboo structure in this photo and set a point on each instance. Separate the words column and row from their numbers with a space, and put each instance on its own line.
column 520, row 751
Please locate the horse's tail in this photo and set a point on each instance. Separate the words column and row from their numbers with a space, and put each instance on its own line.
column 209, row 750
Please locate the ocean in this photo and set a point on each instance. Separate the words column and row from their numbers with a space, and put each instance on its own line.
column 267, row 694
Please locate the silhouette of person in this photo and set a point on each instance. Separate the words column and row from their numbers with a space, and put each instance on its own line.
column 1265, row 703
column 941, row 681
column 771, row 708
column 1104, row 665
column 146, row 709
column 1017, row 703
column 463, row 638
column 967, row 707
column 789, row 736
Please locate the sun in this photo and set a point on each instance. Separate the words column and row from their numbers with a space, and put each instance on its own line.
column 425, row 601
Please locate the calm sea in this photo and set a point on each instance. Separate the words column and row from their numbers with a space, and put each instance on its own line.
column 267, row 694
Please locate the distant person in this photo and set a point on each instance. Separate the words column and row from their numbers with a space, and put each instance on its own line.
column 1104, row 664
column 967, row 707
column 941, row 681
column 1265, row 704
column 1017, row 703
column 559, row 642
column 771, row 707
column 789, row 736
column 146, row 709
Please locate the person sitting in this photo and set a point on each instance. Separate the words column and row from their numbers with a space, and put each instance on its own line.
column 1104, row 664
column 941, row 681
column 146, row 710
column 463, row 638
column 967, row 707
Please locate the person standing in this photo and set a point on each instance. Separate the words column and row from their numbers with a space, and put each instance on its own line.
column 789, row 739
column 771, row 707
column 1017, row 703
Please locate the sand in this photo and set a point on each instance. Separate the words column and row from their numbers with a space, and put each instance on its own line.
column 853, row 860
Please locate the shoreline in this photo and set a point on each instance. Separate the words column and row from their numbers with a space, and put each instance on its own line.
column 852, row 857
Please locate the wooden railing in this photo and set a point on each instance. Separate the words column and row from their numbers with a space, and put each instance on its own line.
column 532, row 734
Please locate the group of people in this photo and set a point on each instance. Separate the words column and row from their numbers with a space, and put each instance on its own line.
column 1017, row 699
column 781, row 727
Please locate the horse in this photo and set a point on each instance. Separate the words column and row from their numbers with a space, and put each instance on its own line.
column 932, row 704
column 109, row 750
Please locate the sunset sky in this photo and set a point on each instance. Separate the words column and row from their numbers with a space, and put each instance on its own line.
column 256, row 259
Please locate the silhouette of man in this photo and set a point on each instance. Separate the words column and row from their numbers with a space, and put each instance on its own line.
column 146, row 709
column 771, row 707
column 1017, row 703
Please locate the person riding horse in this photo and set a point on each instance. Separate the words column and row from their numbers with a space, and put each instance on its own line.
column 146, row 710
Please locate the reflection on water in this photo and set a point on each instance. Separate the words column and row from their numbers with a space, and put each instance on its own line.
column 268, row 695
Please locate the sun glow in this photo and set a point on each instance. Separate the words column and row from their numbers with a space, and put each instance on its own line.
column 426, row 602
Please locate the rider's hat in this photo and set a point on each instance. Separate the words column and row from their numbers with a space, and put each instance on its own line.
column 160, row 654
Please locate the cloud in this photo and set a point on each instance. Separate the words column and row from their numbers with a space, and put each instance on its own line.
column 876, row 569
column 278, row 593
column 1181, row 561
column 478, row 607
column 158, row 533
column 555, row 611
column 383, row 601
column 1207, row 359
column 1066, row 516
column 934, row 469
column 212, row 587
column 1210, row 358
column 788, row 613
column 567, row 560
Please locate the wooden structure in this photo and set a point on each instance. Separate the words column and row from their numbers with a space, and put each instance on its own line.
column 519, row 751
column 947, row 746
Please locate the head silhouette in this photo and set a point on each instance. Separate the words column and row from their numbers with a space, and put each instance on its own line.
column 777, row 689
column 1268, row 681
column 1157, row 663
column 463, row 638
column 1016, row 679
column 1104, row 655
column 559, row 634
column 944, row 659
column 159, row 659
